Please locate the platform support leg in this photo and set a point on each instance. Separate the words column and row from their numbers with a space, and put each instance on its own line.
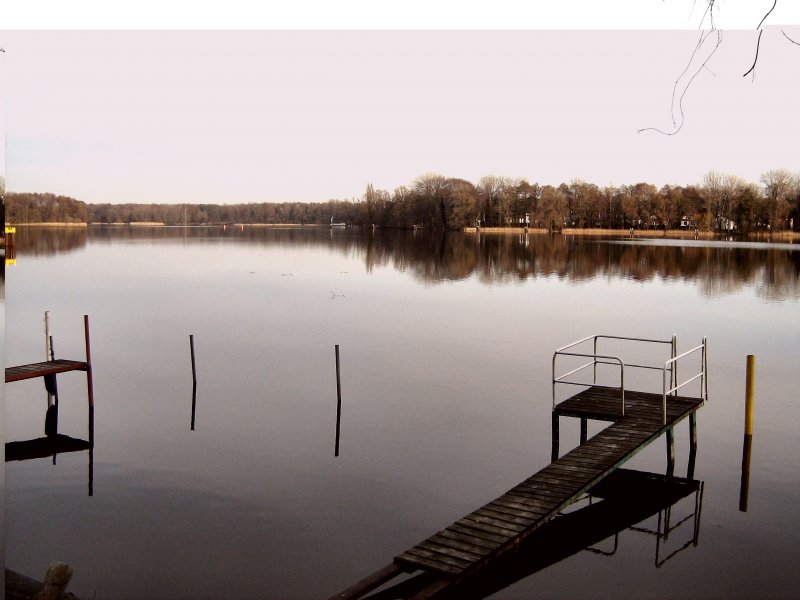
column 584, row 430
column 692, row 445
column 554, row 453
column 89, row 386
column 670, row 451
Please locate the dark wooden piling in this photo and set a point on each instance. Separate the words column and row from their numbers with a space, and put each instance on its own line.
column 194, row 404
column 747, row 443
column 670, row 451
column 89, row 384
column 338, row 403
column 191, row 350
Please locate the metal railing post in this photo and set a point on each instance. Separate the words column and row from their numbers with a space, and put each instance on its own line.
column 674, row 371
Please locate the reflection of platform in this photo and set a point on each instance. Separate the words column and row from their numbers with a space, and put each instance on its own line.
column 44, row 447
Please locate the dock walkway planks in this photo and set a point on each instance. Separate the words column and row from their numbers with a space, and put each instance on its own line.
column 479, row 537
column 41, row 369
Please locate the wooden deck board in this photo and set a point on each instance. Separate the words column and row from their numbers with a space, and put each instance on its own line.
column 501, row 523
column 41, row 369
column 473, row 540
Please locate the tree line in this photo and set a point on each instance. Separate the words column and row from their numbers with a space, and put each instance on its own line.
column 720, row 202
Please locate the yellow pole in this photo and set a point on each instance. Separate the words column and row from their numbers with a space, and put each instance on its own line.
column 748, row 400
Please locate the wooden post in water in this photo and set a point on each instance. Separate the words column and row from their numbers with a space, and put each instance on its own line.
column 194, row 380
column 555, row 434
column 338, row 402
column 670, row 451
column 692, row 445
column 744, row 489
column 91, row 450
column 89, row 386
column 194, row 404
column 191, row 349
column 51, row 383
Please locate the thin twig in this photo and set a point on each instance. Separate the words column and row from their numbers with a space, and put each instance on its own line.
column 760, row 31
column 788, row 38
column 679, row 126
column 756, row 58
column 766, row 15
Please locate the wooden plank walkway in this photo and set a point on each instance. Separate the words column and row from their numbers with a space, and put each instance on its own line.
column 500, row 525
column 41, row 369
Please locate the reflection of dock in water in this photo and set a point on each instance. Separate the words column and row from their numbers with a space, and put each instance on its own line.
column 44, row 447
column 55, row 443
column 622, row 501
column 476, row 541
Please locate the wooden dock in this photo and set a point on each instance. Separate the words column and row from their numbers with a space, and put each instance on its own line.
column 637, row 418
column 55, row 443
column 43, row 369
column 501, row 524
column 49, row 368
column 477, row 539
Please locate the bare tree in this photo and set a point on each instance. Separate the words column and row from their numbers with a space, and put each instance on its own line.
column 779, row 185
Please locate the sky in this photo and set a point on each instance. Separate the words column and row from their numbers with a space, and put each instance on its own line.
column 309, row 104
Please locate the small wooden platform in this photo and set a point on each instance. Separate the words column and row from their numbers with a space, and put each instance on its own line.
column 42, row 369
column 479, row 537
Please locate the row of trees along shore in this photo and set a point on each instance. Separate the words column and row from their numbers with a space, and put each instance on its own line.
column 720, row 202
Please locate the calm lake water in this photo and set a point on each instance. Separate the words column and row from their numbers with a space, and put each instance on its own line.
column 446, row 345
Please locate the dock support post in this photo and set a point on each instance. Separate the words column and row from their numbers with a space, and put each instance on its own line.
column 554, row 452
column 89, row 386
column 670, row 451
column 584, row 430
column 692, row 445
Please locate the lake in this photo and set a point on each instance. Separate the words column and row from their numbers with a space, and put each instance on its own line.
column 445, row 345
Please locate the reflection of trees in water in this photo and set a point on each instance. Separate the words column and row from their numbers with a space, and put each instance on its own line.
column 44, row 241
column 433, row 257
column 774, row 273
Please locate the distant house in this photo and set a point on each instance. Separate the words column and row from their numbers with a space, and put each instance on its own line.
column 686, row 222
column 724, row 224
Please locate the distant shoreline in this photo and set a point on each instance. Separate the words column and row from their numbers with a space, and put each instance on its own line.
column 644, row 233
column 48, row 224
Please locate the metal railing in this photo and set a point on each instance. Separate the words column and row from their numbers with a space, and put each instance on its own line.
column 603, row 359
column 675, row 386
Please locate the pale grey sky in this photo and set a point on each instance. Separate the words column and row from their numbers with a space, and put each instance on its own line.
column 238, row 116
